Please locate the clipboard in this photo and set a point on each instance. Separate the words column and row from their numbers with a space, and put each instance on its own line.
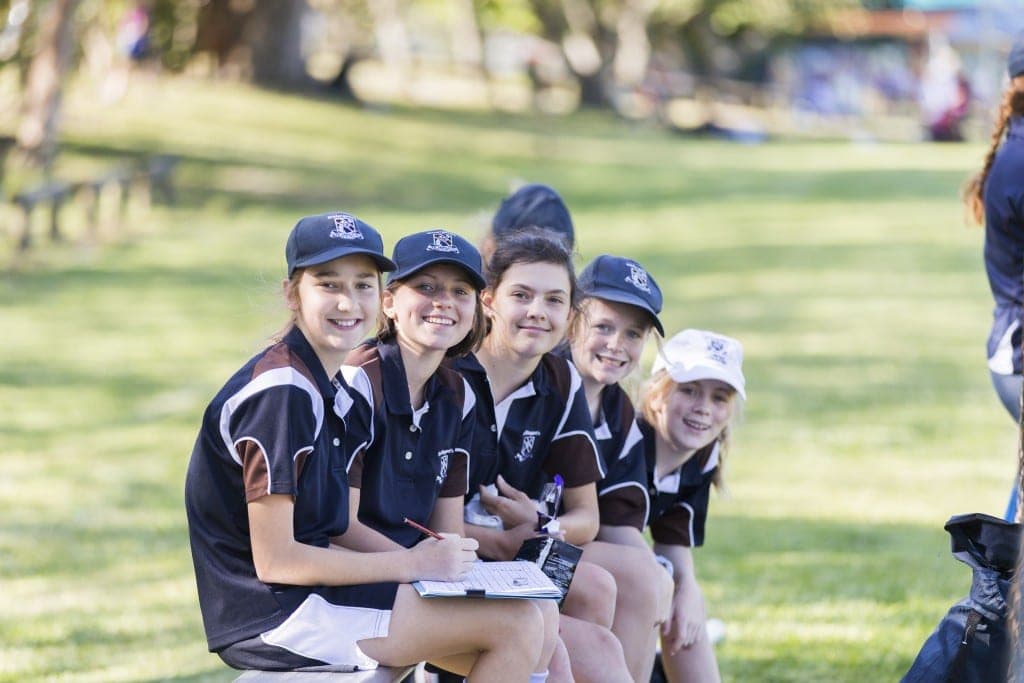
column 495, row 580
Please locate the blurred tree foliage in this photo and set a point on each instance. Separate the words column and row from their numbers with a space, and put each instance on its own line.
column 607, row 46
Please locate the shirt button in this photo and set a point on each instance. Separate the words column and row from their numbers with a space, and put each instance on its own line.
column 337, row 441
column 494, row 428
column 408, row 455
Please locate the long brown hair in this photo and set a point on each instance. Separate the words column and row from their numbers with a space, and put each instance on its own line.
column 974, row 189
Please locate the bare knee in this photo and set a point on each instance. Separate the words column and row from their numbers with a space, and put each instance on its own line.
column 524, row 629
column 549, row 614
column 601, row 660
column 592, row 594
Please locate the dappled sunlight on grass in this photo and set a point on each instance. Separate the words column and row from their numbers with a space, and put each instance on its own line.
column 843, row 268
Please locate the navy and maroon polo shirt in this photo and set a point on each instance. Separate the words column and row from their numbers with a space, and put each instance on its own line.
column 279, row 426
column 1004, row 250
column 622, row 495
column 541, row 429
column 679, row 500
column 416, row 456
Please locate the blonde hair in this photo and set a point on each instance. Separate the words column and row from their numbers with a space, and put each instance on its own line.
column 973, row 192
column 659, row 386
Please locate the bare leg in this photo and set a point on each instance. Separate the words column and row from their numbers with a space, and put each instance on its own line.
column 559, row 668
column 594, row 652
column 492, row 640
column 591, row 595
column 694, row 664
column 642, row 584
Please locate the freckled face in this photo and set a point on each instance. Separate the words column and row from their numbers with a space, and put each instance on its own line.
column 336, row 306
column 529, row 310
column 610, row 341
column 693, row 414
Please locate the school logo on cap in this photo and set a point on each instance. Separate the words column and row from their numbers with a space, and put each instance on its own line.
column 638, row 278
column 443, row 241
column 443, row 456
column 526, row 449
column 716, row 350
column 345, row 227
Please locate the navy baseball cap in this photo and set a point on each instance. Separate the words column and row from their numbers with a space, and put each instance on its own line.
column 323, row 238
column 623, row 280
column 1015, row 64
column 534, row 205
column 415, row 252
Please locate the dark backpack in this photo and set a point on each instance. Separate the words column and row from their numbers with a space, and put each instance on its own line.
column 972, row 642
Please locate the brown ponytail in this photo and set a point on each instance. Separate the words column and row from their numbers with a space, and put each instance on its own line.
column 973, row 192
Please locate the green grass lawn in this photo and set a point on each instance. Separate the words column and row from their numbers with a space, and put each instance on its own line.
column 844, row 268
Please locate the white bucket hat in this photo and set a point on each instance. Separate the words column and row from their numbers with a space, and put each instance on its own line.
column 691, row 355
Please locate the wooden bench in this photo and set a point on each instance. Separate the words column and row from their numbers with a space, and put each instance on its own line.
column 121, row 177
column 53, row 194
column 154, row 175
column 382, row 674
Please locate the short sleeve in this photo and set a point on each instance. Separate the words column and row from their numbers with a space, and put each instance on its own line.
column 354, row 404
column 269, row 431
column 457, row 481
column 573, row 451
column 622, row 494
column 683, row 523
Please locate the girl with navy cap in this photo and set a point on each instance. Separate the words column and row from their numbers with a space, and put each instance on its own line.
column 995, row 196
column 530, row 206
column 619, row 306
column 688, row 406
column 532, row 428
column 417, row 465
column 267, row 490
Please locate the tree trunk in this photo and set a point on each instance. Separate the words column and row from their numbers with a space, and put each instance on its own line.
column 392, row 36
column 273, row 35
column 40, row 115
column 583, row 51
column 633, row 48
column 219, row 30
column 467, row 41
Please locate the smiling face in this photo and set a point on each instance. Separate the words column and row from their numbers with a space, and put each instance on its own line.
column 529, row 309
column 336, row 305
column 608, row 341
column 691, row 415
column 433, row 309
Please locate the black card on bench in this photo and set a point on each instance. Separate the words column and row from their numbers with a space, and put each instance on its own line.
column 557, row 559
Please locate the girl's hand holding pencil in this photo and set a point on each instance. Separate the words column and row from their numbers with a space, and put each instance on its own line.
column 441, row 557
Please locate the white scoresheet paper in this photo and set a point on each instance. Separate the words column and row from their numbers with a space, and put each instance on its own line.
column 516, row 579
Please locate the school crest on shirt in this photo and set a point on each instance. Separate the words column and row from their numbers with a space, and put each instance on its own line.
column 345, row 227
column 638, row 278
column 444, row 241
column 525, row 451
column 442, row 472
column 716, row 350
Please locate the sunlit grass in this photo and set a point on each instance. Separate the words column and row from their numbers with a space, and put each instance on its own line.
column 844, row 268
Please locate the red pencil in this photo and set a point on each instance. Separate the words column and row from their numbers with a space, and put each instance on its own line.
column 423, row 529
